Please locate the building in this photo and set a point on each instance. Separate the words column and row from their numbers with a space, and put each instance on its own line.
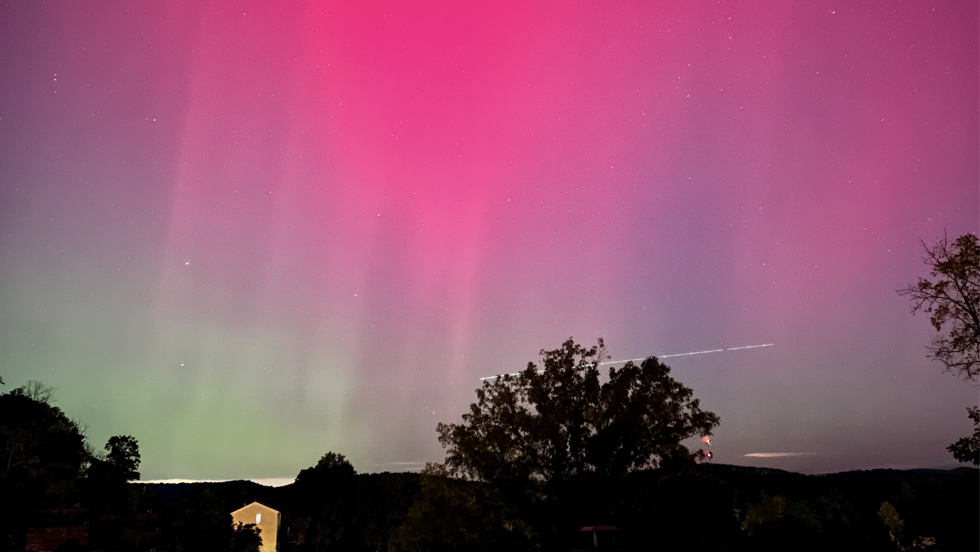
column 58, row 528
column 265, row 518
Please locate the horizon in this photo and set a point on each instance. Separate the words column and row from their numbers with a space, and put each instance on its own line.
column 249, row 235
column 283, row 481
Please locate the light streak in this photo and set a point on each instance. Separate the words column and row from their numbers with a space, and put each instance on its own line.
column 778, row 454
column 742, row 348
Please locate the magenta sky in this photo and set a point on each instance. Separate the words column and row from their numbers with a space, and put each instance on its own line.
column 249, row 235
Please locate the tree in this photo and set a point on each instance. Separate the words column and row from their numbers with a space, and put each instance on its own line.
column 117, row 466
column 556, row 441
column 245, row 537
column 452, row 515
column 106, row 480
column 203, row 524
column 559, row 422
column 334, row 461
column 42, row 453
column 967, row 449
column 953, row 302
column 36, row 391
column 41, row 449
column 325, row 501
column 124, row 455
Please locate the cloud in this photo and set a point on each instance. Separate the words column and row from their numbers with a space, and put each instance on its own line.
column 267, row 481
column 397, row 466
column 778, row 454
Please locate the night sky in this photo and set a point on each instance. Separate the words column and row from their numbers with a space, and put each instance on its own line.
column 249, row 233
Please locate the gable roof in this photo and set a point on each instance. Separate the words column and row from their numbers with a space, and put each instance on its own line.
column 259, row 504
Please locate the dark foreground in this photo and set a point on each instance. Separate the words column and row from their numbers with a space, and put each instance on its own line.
column 701, row 507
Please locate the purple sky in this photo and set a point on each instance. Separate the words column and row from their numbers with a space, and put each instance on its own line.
column 251, row 233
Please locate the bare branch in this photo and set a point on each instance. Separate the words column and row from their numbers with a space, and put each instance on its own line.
column 953, row 301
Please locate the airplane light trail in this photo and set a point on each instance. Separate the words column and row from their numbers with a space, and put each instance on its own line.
column 777, row 454
column 742, row 348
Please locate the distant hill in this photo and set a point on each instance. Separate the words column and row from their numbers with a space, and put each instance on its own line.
column 720, row 506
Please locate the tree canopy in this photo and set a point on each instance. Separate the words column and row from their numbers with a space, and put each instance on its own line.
column 118, row 465
column 42, row 455
column 552, row 424
column 123, row 452
column 953, row 301
column 42, row 451
column 967, row 449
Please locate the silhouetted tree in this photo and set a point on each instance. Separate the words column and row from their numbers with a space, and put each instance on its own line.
column 457, row 515
column 37, row 391
column 953, row 301
column 118, row 465
column 204, row 523
column 106, row 490
column 40, row 444
column 245, row 537
column 673, row 507
column 778, row 523
column 556, row 441
column 326, row 502
column 383, row 502
column 42, row 453
column 967, row 449
column 123, row 453
column 559, row 422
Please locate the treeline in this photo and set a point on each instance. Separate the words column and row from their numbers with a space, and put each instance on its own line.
column 716, row 507
column 50, row 478
column 50, row 475
column 59, row 492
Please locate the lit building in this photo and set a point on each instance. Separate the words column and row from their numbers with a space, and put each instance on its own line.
column 265, row 518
